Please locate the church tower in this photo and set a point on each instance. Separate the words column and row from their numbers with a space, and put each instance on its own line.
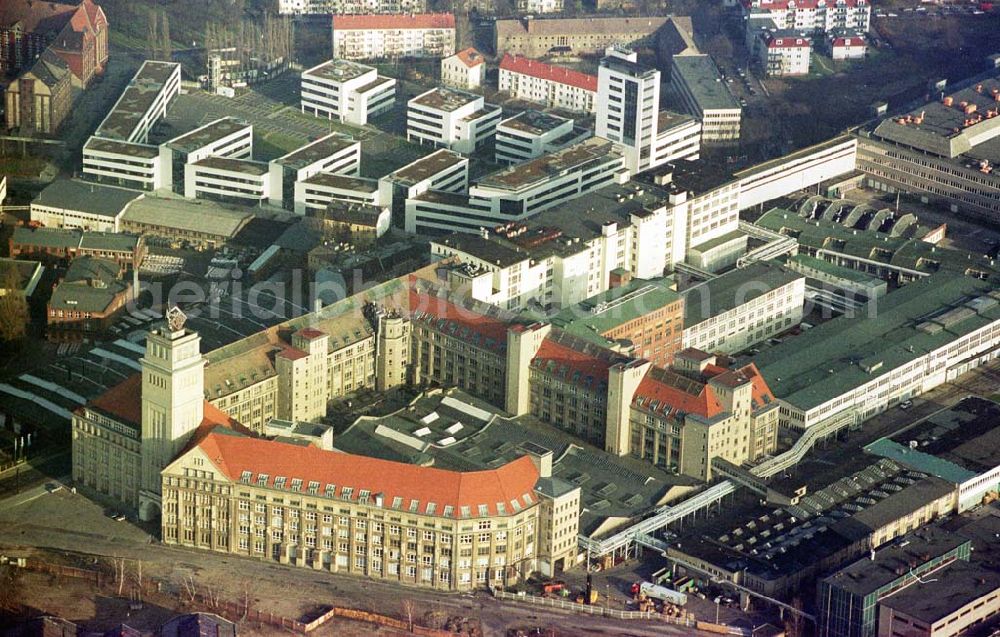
column 173, row 400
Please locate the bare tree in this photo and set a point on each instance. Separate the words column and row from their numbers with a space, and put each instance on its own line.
column 13, row 307
column 408, row 608
column 152, row 38
column 165, row 30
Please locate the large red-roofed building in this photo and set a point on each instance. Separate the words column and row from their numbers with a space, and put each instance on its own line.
column 554, row 86
column 371, row 37
column 76, row 33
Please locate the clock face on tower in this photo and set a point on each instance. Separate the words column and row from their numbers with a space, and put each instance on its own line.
column 175, row 319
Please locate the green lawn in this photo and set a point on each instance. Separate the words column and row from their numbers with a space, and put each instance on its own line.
column 271, row 145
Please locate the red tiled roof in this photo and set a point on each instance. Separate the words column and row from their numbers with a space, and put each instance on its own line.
column 459, row 321
column 311, row 333
column 97, row 17
column 379, row 22
column 35, row 15
column 292, row 354
column 762, row 394
column 541, row 70
column 471, row 57
column 852, row 41
column 512, row 481
column 788, row 43
column 574, row 360
column 123, row 402
column 672, row 393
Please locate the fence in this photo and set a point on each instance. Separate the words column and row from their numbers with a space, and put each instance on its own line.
column 591, row 610
column 237, row 611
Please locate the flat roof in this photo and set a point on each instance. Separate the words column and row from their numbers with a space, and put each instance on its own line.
column 947, row 591
column 445, row 99
column 426, row 167
column 374, row 84
column 697, row 177
column 732, row 289
column 88, row 197
column 954, row 444
column 533, row 122
column 832, row 358
column 208, row 134
column 604, row 312
column 834, row 270
column 339, row 70
column 136, row 100
column 866, row 576
column 315, row 151
column 246, row 166
column 188, row 215
column 949, row 130
column 702, row 78
column 129, row 149
column 494, row 251
column 344, row 182
column 576, row 156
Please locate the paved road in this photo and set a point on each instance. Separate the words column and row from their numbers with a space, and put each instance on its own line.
column 69, row 522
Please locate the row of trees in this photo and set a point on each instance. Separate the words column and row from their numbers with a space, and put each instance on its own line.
column 252, row 41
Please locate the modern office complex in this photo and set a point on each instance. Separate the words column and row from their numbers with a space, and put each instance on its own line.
column 554, row 86
column 118, row 153
column 521, row 191
column 224, row 179
column 371, row 37
column 628, row 113
column 443, row 170
column 316, row 192
column 443, row 117
column 226, row 137
column 346, row 91
column 333, row 154
column 697, row 82
column 942, row 151
column 531, row 134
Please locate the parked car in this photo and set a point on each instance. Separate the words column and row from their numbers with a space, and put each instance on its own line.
column 906, row 404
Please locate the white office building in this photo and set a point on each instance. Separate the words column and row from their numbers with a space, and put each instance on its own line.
column 531, row 134
column 346, row 91
column 743, row 307
column 448, row 118
column 334, row 153
column 553, row 86
column 520, row 192
column 76, row 204
column 443, row 170
column 225, row 137
column 697, row 82
column 224, row 179
column 316, row 192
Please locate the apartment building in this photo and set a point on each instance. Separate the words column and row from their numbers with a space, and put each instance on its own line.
column 783, row 52
column 823, row 15
column 347, row 7
column 697, row 82
column 448, row 118
column 943, row 151
column 118, row 153
column 846, row 44
column 346, row 91
column 442, row 171
column 465, row 70
column 553, row 86
column 682, row 419
column 742, row 308
column 39, row 99
column 520, row 192
column 345, row 513
column 539, row 6
column 924, row 334
column 531, row 134
column 332, row 154
column 372, row 37
column 571, row 36
column 225, row 137
column 317, row 192
column 225, row 179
